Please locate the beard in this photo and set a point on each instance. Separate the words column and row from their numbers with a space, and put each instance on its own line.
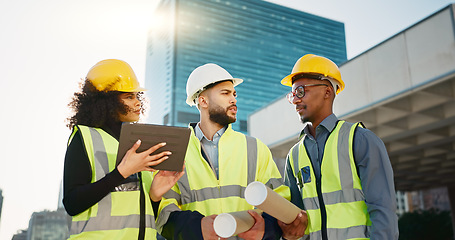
column 304, row 118
column 219, row 115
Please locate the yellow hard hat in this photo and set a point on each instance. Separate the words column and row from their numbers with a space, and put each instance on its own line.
column 114, row 75
column 316, row 65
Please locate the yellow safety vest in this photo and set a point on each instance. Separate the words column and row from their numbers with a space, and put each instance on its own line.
column 117, row 215
column 347, row 215
column 242, row 160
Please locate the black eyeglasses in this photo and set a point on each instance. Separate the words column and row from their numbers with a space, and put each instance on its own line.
column 300, row 91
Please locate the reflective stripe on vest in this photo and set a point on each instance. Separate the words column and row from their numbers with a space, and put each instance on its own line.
column 199, row 189
column 342, row 194
column 118, row 211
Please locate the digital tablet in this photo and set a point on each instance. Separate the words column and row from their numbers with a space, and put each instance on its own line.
column 176, row 139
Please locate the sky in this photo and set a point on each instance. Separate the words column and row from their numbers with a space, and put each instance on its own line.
column 47, row 47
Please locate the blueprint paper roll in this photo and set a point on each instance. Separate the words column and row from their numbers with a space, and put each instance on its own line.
column 264, row 198
column 231, row 224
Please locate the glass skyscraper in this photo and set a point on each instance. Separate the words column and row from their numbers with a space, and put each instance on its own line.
column 50, row 225
column 255, row 40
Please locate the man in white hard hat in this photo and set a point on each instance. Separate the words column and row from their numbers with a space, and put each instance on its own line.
column 220, row 163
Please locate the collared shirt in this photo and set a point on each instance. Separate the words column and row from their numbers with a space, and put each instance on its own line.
column 315, row 147
column 374, row 169
column 210, row 147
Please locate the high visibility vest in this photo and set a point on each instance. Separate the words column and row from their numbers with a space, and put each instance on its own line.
column 342, row 195
column 117, row 215
column 242, row 160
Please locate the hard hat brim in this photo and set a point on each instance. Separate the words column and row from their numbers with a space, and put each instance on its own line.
column 287, row 81
column 236, row 81
column 138, row 89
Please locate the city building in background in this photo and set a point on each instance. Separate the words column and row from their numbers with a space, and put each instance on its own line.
column 433, row 198
column 252, row 39
column 426, row 199
column 49, row 225
column 402, row 202
column 20, row 235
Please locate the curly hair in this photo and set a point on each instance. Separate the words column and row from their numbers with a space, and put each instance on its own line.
column 95, row 108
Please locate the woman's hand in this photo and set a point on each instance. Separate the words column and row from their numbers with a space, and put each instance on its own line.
column 134, row 162
column 162, row 182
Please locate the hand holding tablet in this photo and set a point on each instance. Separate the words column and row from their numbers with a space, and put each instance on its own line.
column 176, row 139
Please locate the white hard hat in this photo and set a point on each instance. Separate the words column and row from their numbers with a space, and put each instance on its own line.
column 203, row 76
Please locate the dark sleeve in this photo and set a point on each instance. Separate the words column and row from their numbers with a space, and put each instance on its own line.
column 290, row 181
column 155, row 206
column 187, row 225
column 79, row 193
column 376, row 176
column 183, row 225
column 272, row 229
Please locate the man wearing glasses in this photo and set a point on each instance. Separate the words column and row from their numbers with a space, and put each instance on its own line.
column 339, row 172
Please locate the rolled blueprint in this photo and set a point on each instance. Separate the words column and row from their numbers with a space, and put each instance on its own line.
column 231, row 224
column 264, row 198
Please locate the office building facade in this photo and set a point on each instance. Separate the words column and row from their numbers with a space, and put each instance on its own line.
column 20, row 235
column 50, row 225
column 254, row 40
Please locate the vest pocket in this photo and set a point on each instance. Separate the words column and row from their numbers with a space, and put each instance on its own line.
column 306, row 174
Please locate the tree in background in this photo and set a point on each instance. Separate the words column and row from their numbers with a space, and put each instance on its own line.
column 426, row 224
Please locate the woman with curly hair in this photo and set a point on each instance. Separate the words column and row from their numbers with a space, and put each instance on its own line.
column 108, row 201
